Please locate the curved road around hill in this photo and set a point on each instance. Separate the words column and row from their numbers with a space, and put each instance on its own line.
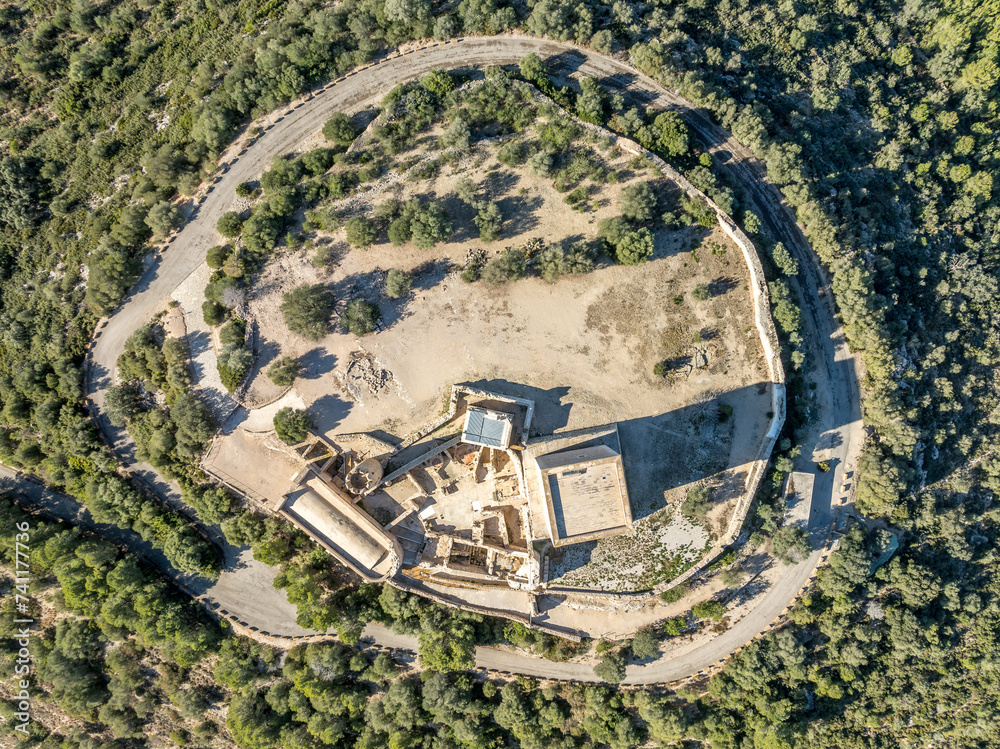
column 835, row 434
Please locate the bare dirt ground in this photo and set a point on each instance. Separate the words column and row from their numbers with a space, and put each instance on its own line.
column 583, row 348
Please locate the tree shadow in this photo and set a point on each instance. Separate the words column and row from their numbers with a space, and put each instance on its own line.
column 624, row 83
column 266, row 350
column 721, row 285
column 429, row 274
column 829, row 440
column 519, row 209
column 671, row 242
column 462, row 215
column 328, row 411
column 316, row 363
column 565, row 64
column 498, row 183
column 99, row 377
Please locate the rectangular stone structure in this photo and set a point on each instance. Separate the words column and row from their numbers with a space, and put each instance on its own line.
column 586, row 497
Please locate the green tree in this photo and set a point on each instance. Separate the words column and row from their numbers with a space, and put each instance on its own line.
column 713, row 610
column 791, row 544
column 307, row 310
column 360, row 317
column 361, row 231
column 292, row 425
column 787, row 264
column 163, row 218
column 698, row 502
column 194, row 422
column 611, row 668
column 230, row 224
column 638, row 202
column 701, row 293
column 646, row 644
column 397, row 283
column 508, row 266
column 532, row 68
column 122, row 402
column 340, row 130
column 672, row 134
column 430, row 226
column 213, row 312
column 488, row 220
column 217, row 255
column 283, row 371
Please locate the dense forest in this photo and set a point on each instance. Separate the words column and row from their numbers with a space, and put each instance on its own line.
column 878, row 120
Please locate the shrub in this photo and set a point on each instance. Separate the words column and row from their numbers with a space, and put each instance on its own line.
column 488, row 220
column 163, row 218
column 339, row 129
column 234, row 333
column 699, row 211
column 555, row 261
column 675, row 593
column 307, row 310
column 611, row 668
column 646, row 644
column 508, row 266
column 397, row 283
column 360, row 317
column 732, row 577
column 541, row 163
column 230, row 224
column 283, row 371
column 634, row 246
column 701, row 293
column 292, row 425
column 216, row 256
column 791, row 544
column 709, row 610
column 317, row 160
column 675, row 626
column 361, row 231
column 638, row 202
column 512, row 153
column 213, row 312
column 698, row 502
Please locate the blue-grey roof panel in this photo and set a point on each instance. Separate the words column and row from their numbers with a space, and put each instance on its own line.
column 482, row 430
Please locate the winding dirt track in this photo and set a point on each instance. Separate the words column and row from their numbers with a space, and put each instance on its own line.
column 835, row 435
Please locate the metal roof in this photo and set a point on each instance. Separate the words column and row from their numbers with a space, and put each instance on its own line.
column 489, row 428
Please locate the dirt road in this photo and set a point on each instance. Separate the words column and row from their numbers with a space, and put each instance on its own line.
column 835, row 435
